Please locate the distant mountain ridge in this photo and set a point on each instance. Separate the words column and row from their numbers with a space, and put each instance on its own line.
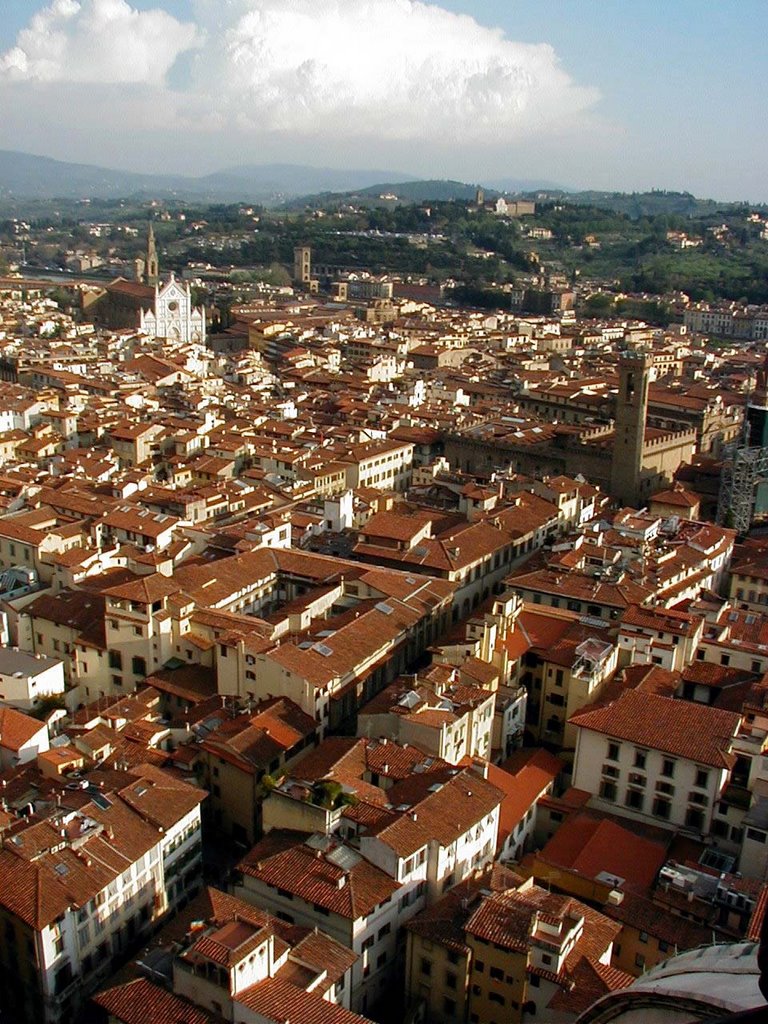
column 25, row 176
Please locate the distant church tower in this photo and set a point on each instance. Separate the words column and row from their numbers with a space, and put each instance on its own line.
column 152, row 267
column 302, row 264
column 629, row 439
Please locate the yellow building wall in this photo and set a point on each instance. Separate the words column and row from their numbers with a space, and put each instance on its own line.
column 446, row 983
column 497, row 983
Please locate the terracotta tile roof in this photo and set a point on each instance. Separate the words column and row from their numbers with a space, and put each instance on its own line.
column 445, row 920
column 279, row 1001
column 588, row 981
column 322, row 952
column 579, row 586
column 144, row 589
column 81, row 611
column 20, row 532
column 35, row 891
column 194, row 683
column 677, row 496
column 252, row 741
column 758, row 915
column 641, row 912
column 228, row 944
column 588, row 845
column 217, row 908
column 394, row 761
column 543, row 627
column 706, row 673
column 335, row 753
column 449, row 552
column 507, row 918
column 655, row 679
column 522, row 780
column 396, row 526
column 159, row 797
column 439, row 810
column 114, row 708
column 134, row 289
column 681, row 728
column 16, row 728
column 664, row 620
column 142, row 1002
column 283, row 859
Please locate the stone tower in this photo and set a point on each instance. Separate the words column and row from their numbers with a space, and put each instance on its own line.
column 302, row 264
column 631, row 412
column 152, row 269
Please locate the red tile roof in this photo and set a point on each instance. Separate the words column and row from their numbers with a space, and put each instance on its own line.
column 439, row 809
column 283, row 859
column 280, row 1001
column 522, row 779
column 588, row 845
column 141, row 1002
column 588, row 981
column 661, row 619
column 16, row 728
column 681, row 728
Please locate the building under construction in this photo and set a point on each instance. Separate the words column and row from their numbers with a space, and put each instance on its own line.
column 744, row 481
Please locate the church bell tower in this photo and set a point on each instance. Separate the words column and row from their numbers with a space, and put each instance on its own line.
column 152, row 268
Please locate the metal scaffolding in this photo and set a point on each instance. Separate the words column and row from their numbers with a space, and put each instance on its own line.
column 743, row 470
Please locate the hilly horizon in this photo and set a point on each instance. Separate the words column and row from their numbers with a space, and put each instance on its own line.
column 25, row 177
column 29, row 176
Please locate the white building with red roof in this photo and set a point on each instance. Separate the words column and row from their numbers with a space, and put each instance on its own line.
column 319, row 881
column 655, row 758
column 84, row 884
column 22, row 738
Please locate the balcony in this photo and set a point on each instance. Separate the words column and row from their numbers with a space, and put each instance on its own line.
column 737, row 796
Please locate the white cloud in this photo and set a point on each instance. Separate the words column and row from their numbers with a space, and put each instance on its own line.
column 255, row 72
column 98, row 41
column 396, row 69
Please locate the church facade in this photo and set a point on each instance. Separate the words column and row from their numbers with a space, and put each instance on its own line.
column 163, row 312
column 172, row 316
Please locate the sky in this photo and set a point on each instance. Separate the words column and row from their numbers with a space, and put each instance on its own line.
column 606, row 94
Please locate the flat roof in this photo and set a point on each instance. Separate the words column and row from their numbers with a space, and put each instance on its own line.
column 12, row 660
